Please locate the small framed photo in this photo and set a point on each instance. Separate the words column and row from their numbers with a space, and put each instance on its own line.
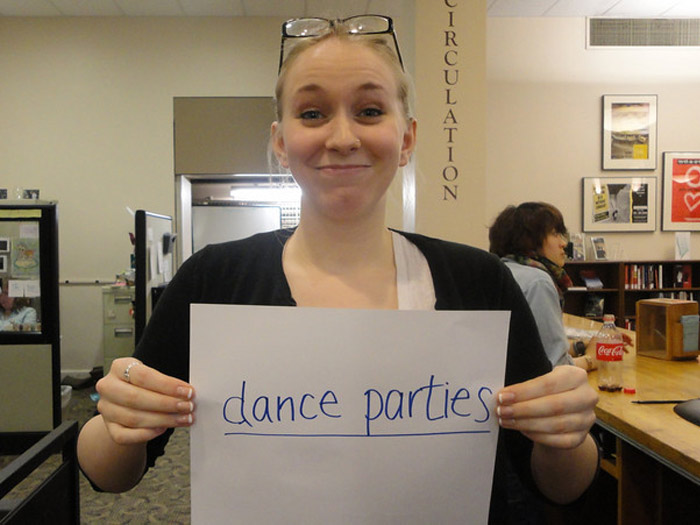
column 622, row 204
column 3, row 263
column 599, row 251
column 629, row 132
column 30, row 194
column 681, row 208
column 3, row 193
column 4, row 244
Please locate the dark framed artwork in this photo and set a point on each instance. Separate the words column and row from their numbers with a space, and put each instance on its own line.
column 622, row 204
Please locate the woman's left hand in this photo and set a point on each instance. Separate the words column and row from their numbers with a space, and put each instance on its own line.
column 555, row 409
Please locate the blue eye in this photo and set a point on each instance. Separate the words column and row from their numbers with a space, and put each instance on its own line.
column 371, row 112
column 310, row 114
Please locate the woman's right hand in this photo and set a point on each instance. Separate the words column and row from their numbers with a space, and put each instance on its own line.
column 142, row 403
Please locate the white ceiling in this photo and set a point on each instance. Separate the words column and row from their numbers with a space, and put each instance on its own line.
column 613, row 8
column 281, row 8
column 285, row 8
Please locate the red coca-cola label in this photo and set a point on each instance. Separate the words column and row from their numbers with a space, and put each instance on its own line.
column 609, row 351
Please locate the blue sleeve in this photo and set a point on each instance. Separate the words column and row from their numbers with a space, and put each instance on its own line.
column 543, row 299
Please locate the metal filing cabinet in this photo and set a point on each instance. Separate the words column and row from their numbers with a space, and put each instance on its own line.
column 118, row 323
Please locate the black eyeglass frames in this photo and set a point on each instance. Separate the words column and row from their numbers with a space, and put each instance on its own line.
column 356, row 25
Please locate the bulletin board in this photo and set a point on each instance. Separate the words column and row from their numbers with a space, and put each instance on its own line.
column 153, row 251
column 30, row 350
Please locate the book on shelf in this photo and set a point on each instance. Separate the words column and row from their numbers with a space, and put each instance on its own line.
column 590, row 279
column 644, row 276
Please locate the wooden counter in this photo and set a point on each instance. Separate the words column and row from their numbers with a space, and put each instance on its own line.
column 657, row 453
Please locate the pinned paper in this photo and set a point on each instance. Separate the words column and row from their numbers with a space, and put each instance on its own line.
column 23, row 288
column 29, row 230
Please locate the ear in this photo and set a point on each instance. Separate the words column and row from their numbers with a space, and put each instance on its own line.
column 409, row 143
column 278, row 144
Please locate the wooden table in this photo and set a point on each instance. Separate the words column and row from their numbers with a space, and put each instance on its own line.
column 656, row 454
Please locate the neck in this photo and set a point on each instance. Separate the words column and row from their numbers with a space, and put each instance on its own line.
column 341, row 262
column 341, row 267
column 341, row 247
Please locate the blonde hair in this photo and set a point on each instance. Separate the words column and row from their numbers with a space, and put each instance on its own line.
column 378, row 44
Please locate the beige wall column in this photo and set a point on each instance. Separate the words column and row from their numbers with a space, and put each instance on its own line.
column 450, row 86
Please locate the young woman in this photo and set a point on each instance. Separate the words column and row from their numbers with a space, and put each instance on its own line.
column 15, row 312
column 530, row 239
column 343, row 129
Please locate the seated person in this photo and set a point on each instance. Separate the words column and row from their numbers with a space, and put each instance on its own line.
column 530, row 239
column 15, row 312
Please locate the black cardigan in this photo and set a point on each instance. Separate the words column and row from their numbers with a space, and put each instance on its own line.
column 249, row 271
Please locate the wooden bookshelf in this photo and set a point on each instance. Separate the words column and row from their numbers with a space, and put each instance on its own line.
column 623, row 286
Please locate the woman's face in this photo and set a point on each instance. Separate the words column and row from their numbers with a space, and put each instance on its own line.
column 553, row 248
column 343, row 133
column 6, row 301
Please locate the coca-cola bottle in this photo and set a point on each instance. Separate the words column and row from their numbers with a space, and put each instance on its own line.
column 609, row 348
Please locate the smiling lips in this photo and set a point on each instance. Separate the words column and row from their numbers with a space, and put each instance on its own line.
column 342, row 168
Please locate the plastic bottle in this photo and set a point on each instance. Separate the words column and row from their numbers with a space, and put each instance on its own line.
column 609, row 350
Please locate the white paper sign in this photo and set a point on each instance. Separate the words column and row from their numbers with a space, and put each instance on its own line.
column 24, row 288
column 310, row 416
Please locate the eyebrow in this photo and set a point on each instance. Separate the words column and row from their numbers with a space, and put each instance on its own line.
column 367, row 86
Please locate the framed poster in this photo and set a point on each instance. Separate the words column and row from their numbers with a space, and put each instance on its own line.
column 629, row 132
column 681, row 209
column 619, row 204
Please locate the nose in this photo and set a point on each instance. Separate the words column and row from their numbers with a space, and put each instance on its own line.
column 341, row 134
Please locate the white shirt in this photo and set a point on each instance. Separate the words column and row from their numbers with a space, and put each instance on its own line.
column 414, row 281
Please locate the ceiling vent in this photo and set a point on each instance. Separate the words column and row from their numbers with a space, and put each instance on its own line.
column 635, row 32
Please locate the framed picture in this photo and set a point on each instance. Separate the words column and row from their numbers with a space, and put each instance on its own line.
column 4, row 244
column 619, row 204
column 681, row 209
column 629, row 132
column 599, row 251
column 30, row 194
column 3, row 263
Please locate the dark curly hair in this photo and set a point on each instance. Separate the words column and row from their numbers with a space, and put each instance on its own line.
column 521, row 230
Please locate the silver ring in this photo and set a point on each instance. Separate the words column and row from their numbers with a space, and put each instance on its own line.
column 128, row 368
